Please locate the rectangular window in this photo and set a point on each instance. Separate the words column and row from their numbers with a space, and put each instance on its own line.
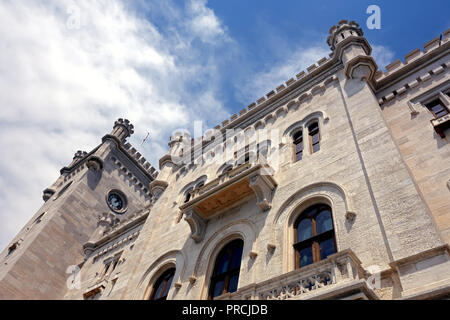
column 437, row 108
column 298, row 144
column 314, row 137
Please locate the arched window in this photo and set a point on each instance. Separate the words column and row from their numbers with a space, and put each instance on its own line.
column 199, row 185
column 225, row 275
column 437, row 108
column 314, row 137
column 298, row 145
column 162, row 285
column 228, row 168
column 314, row 235
column 263, row 148
column 187, row 195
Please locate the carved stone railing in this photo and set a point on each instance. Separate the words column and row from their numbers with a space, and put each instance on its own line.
column 307, row 282
column 225, row 191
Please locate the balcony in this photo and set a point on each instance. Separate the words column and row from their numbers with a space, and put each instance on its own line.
column 441, row 124
column 229, row 189
column 340, row 276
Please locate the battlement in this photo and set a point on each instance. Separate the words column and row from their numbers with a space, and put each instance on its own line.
column 140, row 160
column 126, row 124
column 346, row 29
column 411, row 60
column 80, row 154
column 343, row 30
column 415, row 55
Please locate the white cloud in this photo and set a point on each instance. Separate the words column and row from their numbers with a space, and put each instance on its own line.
column 204, row 22
column 294, row 62
column 383, row 56
column 65, row 77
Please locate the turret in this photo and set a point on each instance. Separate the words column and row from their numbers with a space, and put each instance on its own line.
column 178, row 143
column 347, row 41
column 122, row 129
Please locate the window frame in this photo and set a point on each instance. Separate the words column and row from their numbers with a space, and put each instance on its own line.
column 227, row 275
column 164, row 278
column 442, row 104
column 188, row 195
column 316, row 239
column 296, row 142
column 310, row 136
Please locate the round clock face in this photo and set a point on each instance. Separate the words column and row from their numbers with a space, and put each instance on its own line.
column 116, row 202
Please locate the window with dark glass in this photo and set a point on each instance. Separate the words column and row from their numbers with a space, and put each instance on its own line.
column 437, row 108
column 161, row 287
column 187, row 196
column 199, row 185
column 314, row 137
column 228, row 169
column 225, row 275
column 314, row 235
column 298, row 145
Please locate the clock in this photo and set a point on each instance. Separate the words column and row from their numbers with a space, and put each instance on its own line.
column 116, row 201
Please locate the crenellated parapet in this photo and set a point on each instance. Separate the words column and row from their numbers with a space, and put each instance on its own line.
column 122, row 129
column 433, row 49
column 110, row 232
column 342, row 31
column 140, row 160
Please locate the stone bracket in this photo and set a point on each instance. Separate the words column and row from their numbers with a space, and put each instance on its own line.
column 263, row 189
column 95, row 163
column 197, row 224
column 47, row 194
column 361, row 67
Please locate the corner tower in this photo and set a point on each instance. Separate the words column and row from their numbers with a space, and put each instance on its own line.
column 112, row 179
column 347, row 41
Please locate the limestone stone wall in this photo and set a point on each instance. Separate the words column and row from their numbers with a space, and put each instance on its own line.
column 424, row 151
column 37, row 268
column 358, row 169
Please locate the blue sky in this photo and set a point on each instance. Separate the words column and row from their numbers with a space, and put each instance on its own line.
column 69, row 69
column 267, row 29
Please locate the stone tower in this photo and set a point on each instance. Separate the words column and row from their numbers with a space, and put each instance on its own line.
column 35, row 264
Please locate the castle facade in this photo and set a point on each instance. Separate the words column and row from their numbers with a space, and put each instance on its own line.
column 334, row 185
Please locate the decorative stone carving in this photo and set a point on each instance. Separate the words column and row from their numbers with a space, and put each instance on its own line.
column 361, row 67
column 197, row 224
column 342, row 269
column 95, row 163
column 414, row 108
column 48, row 193
column 192, row 279
column 263, row 188
column 350, row 216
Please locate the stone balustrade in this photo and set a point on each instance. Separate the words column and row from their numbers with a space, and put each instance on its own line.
column 310, row 282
